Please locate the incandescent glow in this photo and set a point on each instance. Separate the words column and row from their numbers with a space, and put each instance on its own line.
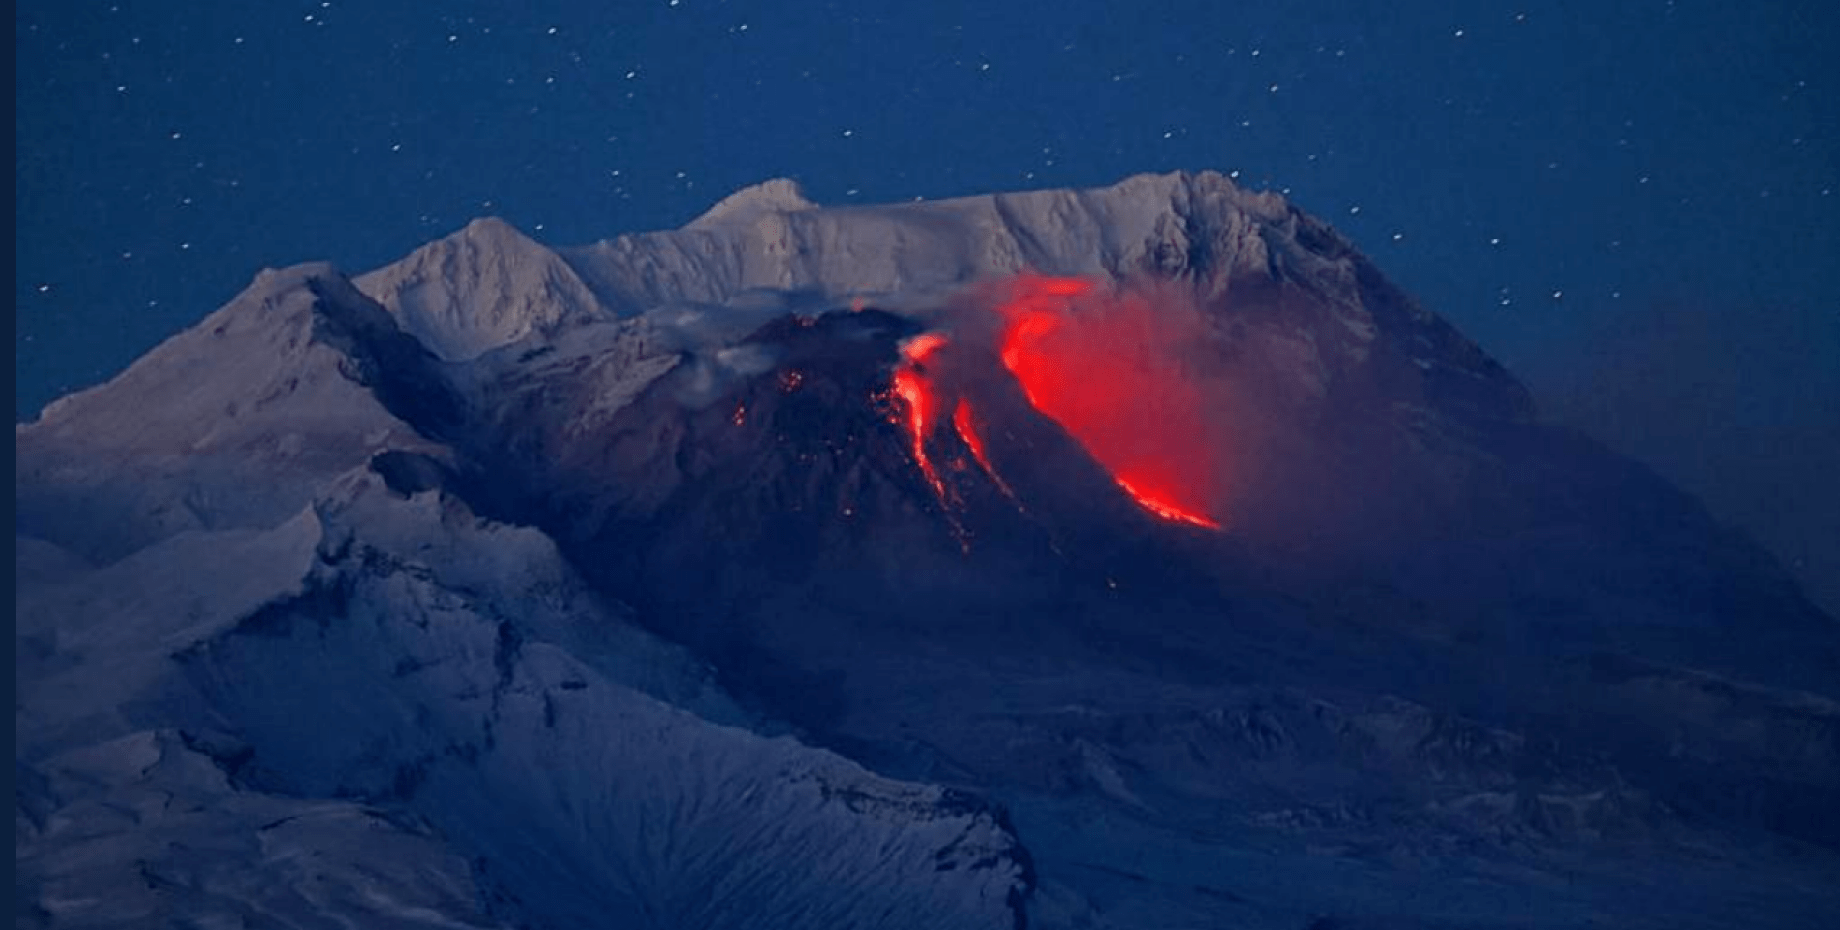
column 1108, row 366
column 1114, row 366
column 967, row 431
column 966, row 423
column 1162, row 508
column 923, row 399
column 917, row 349
column 916, row 396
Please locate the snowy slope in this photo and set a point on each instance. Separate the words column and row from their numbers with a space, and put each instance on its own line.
column 236, row 422
column 165, row 698
column 481, row 288
column 391, row 687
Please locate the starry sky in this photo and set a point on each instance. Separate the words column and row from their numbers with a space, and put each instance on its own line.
column 1631, row 203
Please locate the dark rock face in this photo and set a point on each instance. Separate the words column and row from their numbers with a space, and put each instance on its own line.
column 610, row 579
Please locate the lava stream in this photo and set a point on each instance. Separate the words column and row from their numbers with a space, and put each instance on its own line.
column 1162, row 508
column 915, row 390
column 965, row 422
column 915, row 394
column 1110, row 366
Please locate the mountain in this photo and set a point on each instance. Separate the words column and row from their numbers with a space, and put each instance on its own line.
column 483, row 288
column 1131, row 557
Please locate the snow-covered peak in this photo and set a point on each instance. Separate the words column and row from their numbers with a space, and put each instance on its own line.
column 483, row 287
column 778, row 195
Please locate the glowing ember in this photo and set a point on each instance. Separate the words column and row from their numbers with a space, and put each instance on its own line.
column 1106, row 367
column 1107, row 364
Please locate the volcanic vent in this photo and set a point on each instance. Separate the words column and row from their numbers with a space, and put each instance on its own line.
column 1031, row 408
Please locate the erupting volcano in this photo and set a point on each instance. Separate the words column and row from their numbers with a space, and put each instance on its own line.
column 637, row 557
column 1106, row 364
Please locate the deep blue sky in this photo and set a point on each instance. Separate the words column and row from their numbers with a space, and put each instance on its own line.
column 1632, row 203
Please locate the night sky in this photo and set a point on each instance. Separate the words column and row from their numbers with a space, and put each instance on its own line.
column 1631, row 203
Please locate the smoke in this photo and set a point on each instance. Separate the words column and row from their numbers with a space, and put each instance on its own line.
column 714, row 339
column 688, row 327
column 1134, row 371
column 705, row 334
column 705, row 377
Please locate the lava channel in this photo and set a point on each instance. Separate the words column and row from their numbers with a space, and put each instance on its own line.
column 921, row 402
column 965, row 422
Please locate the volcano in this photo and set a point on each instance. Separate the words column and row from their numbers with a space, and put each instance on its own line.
column 1127, row 557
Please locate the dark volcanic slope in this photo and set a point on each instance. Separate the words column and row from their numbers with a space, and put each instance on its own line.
column 608, row 584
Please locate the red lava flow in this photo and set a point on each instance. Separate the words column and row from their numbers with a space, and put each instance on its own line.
column 1103, row 363
column 914, row 389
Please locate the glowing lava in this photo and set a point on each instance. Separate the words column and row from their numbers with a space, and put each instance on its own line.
column 919, row 348
column 965, row 422
column 1109, row 368
column 967, row 431
column 915, row 390
column 1162, row 508
column 1111, row 365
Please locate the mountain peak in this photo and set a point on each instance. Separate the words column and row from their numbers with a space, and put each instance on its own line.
column 477, row 289
column 491, row 229
column 778, row 195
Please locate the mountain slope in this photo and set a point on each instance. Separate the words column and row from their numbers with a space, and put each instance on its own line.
column 745, row 575
column 233, row 423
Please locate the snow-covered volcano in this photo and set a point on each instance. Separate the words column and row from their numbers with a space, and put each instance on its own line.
column 1131, row 557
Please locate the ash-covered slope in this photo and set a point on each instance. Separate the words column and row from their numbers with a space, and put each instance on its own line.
column 757, row 574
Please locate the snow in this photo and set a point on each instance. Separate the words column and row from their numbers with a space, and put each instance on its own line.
column 482, row 288
column 435, row 691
